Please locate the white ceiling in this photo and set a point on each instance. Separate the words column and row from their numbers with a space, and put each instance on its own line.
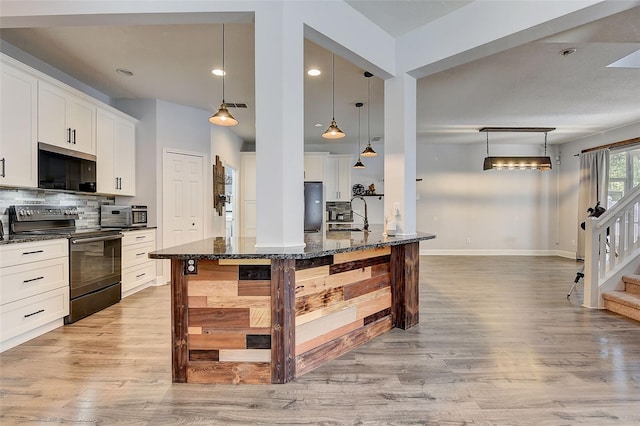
column 532, row 85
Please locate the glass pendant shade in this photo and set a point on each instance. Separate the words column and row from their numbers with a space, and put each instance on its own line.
column 223, row 117
column 333, row 132
column 369, row 152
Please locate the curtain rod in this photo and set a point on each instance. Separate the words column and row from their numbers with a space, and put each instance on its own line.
column 620, row 144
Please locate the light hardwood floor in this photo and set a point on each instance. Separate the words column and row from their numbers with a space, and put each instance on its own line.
column 498, row 343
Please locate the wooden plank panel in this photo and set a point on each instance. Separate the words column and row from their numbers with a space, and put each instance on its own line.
column 195, row 330
column 405, row 287
column 197, row 301
column 244, row 261
column 361, row 254
column 260, row 317
column 348, row 277
column 235, row 330
column 217, row 341
column 327, row 337
column 381, row 269
column 254, row 272
column 254, row 288
column 245, row 355
column 210, row 317
column 320, row 300
column 213, row 288
column 340, row 306
column 374, row 305
column 367, row 286
column 180, row 321
column 283, row 278
column 326, row 324
column 225, row 302
column 209, row 270
column 229, row 372
column 339, row 346
column 199, row 355
column 312, row 273
column 313, row 262
column 357, row 264
column 258, row 341
column 378, row 315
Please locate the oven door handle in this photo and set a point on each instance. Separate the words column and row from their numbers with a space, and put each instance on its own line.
column 95, row 239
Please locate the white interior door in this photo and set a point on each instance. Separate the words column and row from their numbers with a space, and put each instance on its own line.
column 182, row 201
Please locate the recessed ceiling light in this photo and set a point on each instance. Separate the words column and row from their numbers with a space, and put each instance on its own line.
column 569, row 51
column 218, row 72
column 314, row 72
column 124, row 71
column 317, row 125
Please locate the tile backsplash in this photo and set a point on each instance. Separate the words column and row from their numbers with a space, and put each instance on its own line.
column 88, row 204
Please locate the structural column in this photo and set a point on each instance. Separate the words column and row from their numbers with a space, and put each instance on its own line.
column 279, row 65
column 400, row 152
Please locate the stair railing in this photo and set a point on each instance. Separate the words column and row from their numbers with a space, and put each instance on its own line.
column 611, row 242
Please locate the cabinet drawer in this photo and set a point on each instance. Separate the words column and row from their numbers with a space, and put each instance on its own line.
column 133, row 277
column 27, row 314
column 19, row 282
column 136, row 254
column 135, row 237
column 21, row 253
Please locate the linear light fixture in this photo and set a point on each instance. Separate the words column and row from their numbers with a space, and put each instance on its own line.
column 517, row 162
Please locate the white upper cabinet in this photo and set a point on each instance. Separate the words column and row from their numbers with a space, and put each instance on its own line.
column 116, row 154
column 65, row 120
column 18, row 131
column 314, row 166
column 338, row 177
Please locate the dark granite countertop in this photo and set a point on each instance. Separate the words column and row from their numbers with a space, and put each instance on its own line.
column 13, row 239
column 317, row 244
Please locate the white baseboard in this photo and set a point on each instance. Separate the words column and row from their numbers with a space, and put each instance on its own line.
column 502, row 252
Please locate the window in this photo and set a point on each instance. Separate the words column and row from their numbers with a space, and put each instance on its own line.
column 624, row 174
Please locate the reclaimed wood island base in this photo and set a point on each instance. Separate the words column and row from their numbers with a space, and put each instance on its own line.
column 240, row 316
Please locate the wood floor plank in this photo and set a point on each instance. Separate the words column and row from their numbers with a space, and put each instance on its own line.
column 498, row 343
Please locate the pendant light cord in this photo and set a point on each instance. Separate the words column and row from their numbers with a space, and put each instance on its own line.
column 487, row 144
column 545, row 144
column 368, row 111
column 224, row 71
column 333, row 87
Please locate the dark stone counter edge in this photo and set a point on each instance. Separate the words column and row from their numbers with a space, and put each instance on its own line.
column 17, row 239
column 183, row 252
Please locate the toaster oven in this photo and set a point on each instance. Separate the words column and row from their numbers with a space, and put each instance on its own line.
column 123, row 216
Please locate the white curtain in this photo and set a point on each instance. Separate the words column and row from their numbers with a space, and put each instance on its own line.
column 594, row 183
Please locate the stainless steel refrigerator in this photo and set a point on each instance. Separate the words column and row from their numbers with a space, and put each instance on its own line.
column 313, row 208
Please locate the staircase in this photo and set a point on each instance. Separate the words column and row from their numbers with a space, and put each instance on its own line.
column 627, row 302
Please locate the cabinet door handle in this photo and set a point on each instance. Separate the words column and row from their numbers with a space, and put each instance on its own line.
column 32, row 279
column 141, row 275
column 34, row 313
column 141, row 237
column 32, row 252
column 68, row 134
column 3, row 174
column 74, row 136
column 141, row 254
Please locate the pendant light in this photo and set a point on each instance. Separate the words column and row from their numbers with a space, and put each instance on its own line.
column 223, row 117
column 368, row 151
column 333, row 132
column 517, row 162
column 359, row 164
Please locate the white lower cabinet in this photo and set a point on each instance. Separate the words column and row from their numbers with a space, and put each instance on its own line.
column 34, row 295
column 138, row 271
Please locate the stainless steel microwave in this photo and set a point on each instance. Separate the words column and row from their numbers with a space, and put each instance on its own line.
column 123, row 216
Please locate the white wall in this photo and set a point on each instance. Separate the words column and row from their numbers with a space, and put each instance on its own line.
column 472, row 211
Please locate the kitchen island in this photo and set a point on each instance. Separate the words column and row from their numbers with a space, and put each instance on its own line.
column 242, row 314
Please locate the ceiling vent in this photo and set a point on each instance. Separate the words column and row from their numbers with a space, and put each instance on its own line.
column 236, row 104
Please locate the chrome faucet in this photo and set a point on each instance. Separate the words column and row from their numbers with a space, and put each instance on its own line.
column 366, row 216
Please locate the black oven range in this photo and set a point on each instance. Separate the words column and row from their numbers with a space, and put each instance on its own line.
column 94, row 255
